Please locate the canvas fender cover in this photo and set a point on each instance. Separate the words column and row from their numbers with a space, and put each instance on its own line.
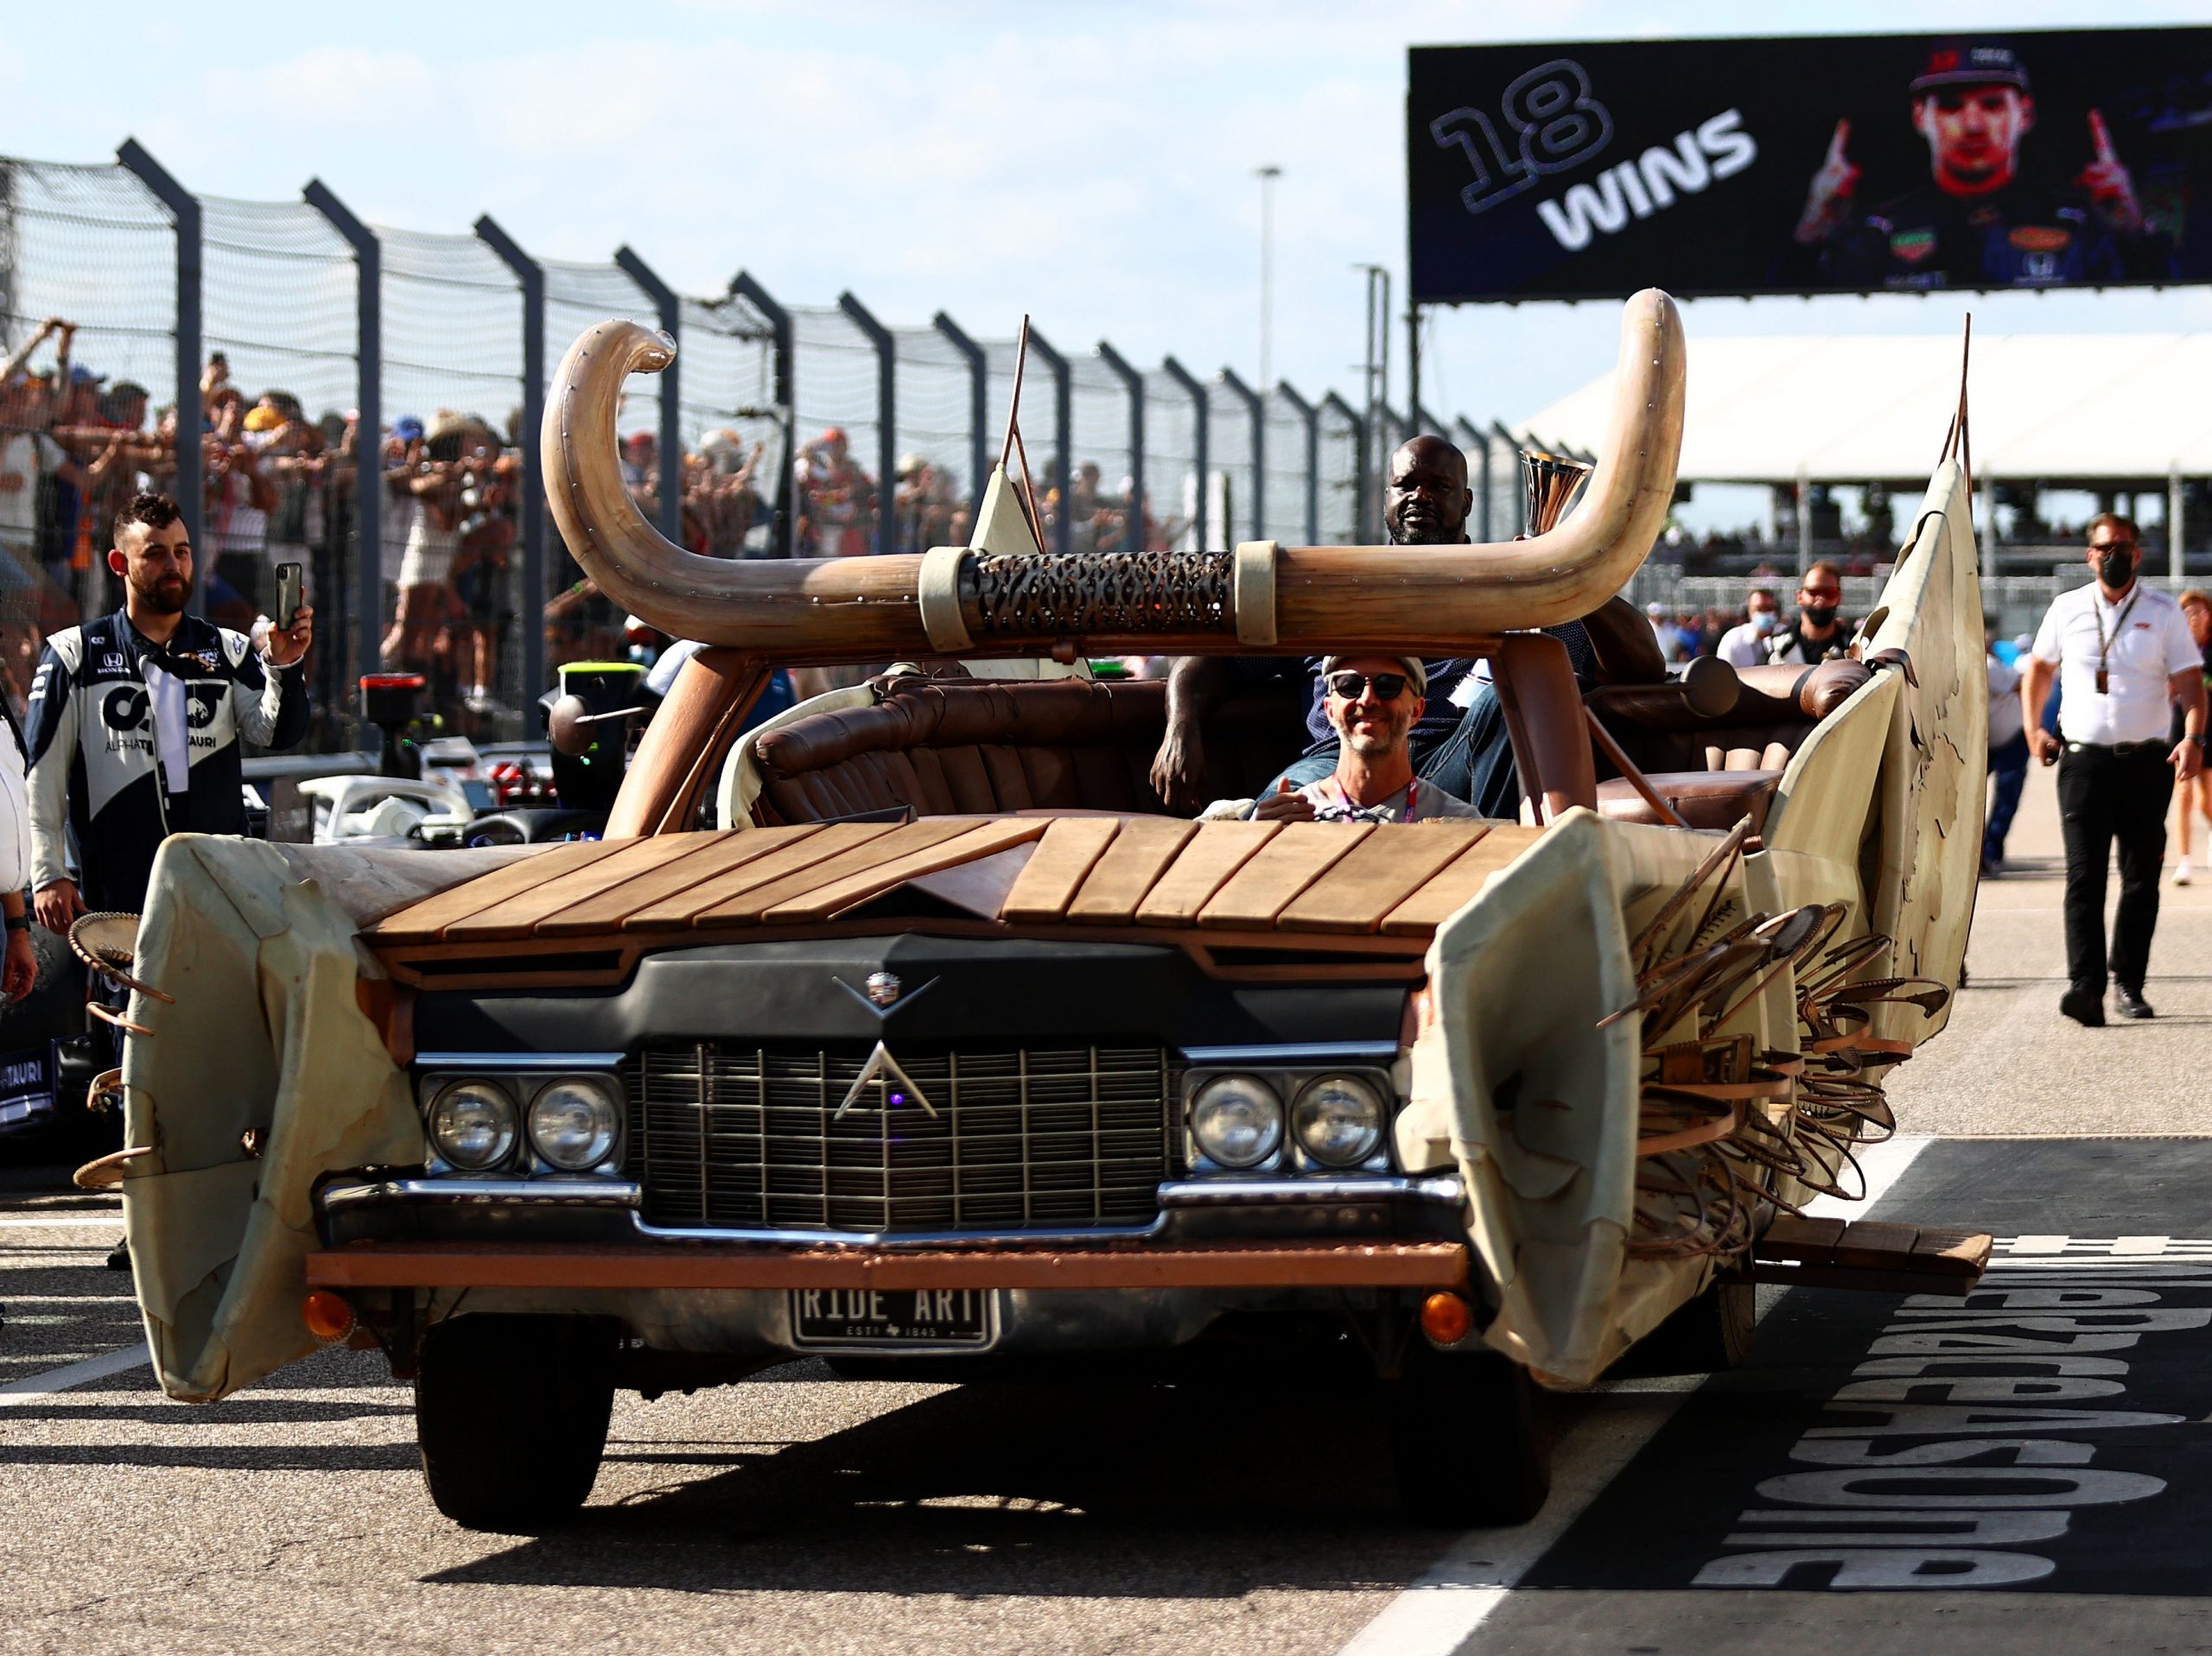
column 1937, row 758
column 1539, row 1105
column 265, row 1035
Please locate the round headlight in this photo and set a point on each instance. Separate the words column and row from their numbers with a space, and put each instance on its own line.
column 472, row 1125
column 573, row 1122
column 1238, row 1121
column 1339, row 1120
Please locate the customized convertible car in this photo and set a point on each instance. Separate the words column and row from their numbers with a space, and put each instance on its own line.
column 912, row 1029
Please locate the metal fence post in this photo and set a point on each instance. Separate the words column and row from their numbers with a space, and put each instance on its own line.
column 783, row 374
column 1256, row 407
column 979, row 451
column 671, row 309
column 1358, row 424
column 368, row 428
column 1514, row 448
column 1472, row 440
column 1138, row 538
column 532, row 279
column 2177, row 523
column 1200, row 410
column 1312, row 416
column 1063, row 438
column 886, row 421
column 191, row 466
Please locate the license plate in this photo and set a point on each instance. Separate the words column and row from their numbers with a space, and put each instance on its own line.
column 939, row 1318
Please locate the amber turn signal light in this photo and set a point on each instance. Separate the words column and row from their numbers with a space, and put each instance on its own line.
column 326, row 1315
column 1447, row 1319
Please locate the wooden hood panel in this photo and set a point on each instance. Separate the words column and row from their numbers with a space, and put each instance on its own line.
column 1323, row 880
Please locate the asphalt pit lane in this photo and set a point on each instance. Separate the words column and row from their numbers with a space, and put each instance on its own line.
column 2029, row 1437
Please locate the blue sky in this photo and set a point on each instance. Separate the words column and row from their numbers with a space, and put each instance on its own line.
column 1091, row 164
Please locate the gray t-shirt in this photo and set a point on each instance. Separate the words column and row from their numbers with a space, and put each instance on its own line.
column 1417, row 802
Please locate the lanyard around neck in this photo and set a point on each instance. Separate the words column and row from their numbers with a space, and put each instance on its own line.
column 2104, row 644
column 1344, row 799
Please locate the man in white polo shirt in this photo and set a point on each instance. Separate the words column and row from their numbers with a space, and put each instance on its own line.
column 2122, row 654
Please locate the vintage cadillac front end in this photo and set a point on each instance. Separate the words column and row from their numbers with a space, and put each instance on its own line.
column 906, row 1143
column 914, row 1032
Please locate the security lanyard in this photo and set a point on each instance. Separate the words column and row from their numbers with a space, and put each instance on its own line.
column 2105, row 644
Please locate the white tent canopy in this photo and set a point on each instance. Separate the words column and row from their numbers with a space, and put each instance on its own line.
column 1857, row 408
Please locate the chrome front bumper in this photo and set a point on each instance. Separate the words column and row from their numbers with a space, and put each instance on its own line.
column 581, row 1246
column 602, row 1211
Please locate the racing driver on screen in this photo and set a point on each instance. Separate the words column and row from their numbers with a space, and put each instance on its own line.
column 1976, row 223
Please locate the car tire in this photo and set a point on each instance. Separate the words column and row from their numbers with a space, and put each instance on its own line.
column 510, row 1414
column 1468, row 1438
column 1705, row 1336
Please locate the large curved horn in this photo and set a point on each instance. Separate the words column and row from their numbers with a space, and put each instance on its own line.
column 864, row 605
column 1305, row 600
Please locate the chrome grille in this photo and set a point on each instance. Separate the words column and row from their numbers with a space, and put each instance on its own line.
column 1065, row 1137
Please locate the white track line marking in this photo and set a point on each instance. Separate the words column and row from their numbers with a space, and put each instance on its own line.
column 1884, row 1165
column 33, row 1386
column 108, row 1217
column 1440, row 1609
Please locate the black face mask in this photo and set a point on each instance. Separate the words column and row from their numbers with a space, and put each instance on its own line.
column 1817, row 615
column 2117, row 567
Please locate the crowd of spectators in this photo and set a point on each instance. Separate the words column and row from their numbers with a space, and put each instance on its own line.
column 1746, row 635
column 279, row 488
column 839, row 503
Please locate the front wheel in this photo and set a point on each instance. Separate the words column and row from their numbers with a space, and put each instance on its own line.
column 1468, row 1438
column 510, row 1413
column 1707, row 1335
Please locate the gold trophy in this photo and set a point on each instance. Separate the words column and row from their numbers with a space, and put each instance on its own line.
column 1548, row 483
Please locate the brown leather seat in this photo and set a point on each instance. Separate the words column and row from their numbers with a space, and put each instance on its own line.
column 991, row 748
column 1625, row 649
column 1774, row 709
column 1704, row 799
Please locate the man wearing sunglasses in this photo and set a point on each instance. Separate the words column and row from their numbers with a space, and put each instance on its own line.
column 1457, row 741
column 1820, row 632
column 1372, row 703
column 2121, row 653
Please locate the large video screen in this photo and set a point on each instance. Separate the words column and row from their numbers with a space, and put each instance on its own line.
column 1810, row 164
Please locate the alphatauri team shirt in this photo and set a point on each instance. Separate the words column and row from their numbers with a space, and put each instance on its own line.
column 105, row 708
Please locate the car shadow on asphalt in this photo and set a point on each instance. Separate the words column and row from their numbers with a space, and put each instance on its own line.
column 1022, row 1490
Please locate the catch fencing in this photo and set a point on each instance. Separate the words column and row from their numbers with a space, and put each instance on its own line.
column 351, row 386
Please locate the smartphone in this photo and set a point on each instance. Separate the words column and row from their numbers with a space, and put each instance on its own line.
column 289, row 594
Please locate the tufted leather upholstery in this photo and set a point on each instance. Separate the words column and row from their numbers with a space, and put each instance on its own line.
column 1775, row 707
column 1626, row 649
column 1704, row 799
column 1715, row 768
column 989, row 747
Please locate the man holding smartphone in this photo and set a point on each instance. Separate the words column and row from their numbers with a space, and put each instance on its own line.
column 135, row 720
column 135, row 724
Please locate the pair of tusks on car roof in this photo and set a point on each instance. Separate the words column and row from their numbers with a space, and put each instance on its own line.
column 1295, row 599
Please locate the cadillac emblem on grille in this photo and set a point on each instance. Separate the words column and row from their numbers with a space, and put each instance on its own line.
column 883, row 988
column 893, row 1088
column 734, row 1133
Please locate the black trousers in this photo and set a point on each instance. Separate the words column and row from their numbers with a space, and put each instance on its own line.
column 2107, row 799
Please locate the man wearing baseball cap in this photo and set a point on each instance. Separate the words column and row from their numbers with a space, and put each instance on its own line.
column 1372, row 702
column 1976, row 223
